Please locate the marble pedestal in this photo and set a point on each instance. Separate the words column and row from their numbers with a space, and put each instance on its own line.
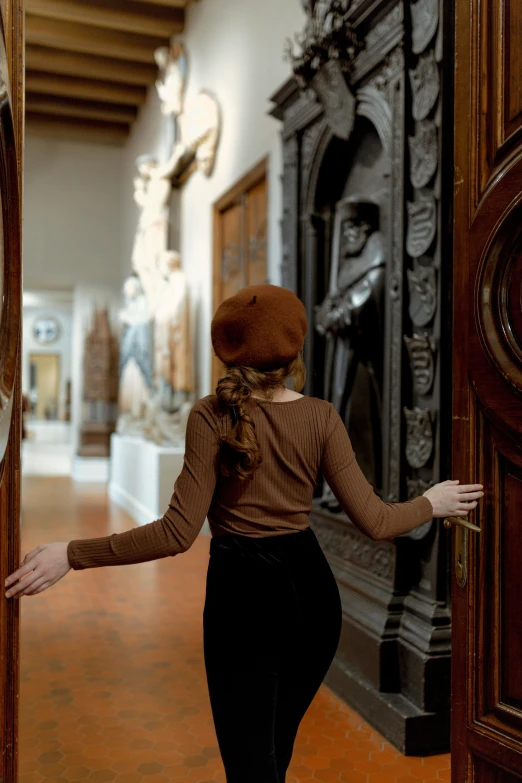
column 142, row 476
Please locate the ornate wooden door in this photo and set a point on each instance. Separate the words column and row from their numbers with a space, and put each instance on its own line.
column 11, row 146
column 487, row 391
column 240, row 226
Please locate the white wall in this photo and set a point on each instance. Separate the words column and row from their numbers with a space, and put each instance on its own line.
column 72, row 213
column 235, row 49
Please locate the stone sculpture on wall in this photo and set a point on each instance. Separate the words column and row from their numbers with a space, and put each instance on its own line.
column 424, row 153
column 197, row 118
column 136, row 352
column 351, row 317
column 152, row 195
column 327, row 46
column 421, row 350
column 172, row 63
column 356, row 132
column 156, row 369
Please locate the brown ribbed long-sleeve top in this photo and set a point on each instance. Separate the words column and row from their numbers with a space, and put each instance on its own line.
column 298, row 439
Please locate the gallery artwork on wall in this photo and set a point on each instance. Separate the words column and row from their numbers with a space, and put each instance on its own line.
column 100, row 387
column 364, row 126
column 157, row 384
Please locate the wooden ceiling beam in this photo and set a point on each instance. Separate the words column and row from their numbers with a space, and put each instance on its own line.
column 41, row 58
column 79, row 129
column 167, row 3
column 75, row 37
column 121, row 15
column 87, row 89
column 68, row 107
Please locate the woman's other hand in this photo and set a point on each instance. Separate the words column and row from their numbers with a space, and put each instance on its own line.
column 40, row 569
column 450, row 499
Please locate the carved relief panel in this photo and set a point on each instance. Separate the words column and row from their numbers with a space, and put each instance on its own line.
column 362, row 247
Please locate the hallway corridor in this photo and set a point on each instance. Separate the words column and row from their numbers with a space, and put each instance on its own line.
column 112, row 676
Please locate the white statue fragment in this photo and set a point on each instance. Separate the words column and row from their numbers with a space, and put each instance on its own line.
column 172, row 64
column 151, row 194
column 135, row 351
column 198, row 119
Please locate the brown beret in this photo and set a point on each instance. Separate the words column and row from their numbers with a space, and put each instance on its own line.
column 262, row 326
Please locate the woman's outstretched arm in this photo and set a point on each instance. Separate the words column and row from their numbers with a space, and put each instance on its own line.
column 374, row 517
column 172, row 534
column 177, row 529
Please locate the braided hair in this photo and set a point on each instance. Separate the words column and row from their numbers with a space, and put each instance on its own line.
column 240, row 452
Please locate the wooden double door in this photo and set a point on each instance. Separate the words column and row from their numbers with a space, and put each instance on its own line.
column 487, row 391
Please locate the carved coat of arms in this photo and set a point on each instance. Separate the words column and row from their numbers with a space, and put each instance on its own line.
column 423, row 294
column 424, row 20
column 336, row 98
column 425, row 86
column 424, row 153
column 422, row 223
column 420, row 350
column 419, row 436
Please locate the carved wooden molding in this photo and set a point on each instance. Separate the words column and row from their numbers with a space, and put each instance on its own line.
column 10, row 261
column 499, row 297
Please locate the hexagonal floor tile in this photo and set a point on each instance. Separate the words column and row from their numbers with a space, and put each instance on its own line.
column 113, row 686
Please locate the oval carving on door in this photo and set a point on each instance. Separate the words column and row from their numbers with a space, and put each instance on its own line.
column 10, row 260
column 499, row 299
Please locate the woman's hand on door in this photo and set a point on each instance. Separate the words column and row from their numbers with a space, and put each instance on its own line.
column 451, row 499
column 40, row 569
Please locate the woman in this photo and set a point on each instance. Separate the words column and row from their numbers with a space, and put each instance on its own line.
column 272, row 615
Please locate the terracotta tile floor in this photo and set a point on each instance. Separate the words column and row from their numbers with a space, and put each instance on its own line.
column 113, row 684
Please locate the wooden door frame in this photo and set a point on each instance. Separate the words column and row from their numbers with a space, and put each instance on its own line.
column 13, row 24
column 229, row 199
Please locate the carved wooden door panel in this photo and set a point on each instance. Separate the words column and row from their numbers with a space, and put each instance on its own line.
column 487, row 391
column 240, row 226
column 11, row 146
column 256, row 220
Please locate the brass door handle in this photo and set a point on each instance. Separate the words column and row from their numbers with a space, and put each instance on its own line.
column 449, row 521
column 460, row 549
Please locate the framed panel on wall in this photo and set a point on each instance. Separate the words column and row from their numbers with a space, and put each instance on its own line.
column 240, row 241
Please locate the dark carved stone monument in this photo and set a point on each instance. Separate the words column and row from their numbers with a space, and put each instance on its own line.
column 365, row 229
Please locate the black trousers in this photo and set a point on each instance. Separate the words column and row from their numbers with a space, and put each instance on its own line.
column 271, row 626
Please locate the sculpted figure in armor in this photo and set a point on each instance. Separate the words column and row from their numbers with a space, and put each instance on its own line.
column 351, row 317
